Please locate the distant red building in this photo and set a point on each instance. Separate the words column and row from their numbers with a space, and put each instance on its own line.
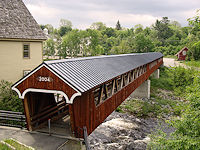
column 182, row 53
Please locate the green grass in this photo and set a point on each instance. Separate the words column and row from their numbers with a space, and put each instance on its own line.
column 170, row 56
column 16, row 145
column 4, row 147
column 193, row 63
column 156, row 107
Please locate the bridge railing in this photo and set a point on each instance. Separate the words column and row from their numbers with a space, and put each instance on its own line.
column 13, row 119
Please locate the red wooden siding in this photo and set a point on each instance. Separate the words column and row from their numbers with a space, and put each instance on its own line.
column 86, row 113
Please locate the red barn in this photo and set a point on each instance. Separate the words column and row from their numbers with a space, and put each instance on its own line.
column 182, row 53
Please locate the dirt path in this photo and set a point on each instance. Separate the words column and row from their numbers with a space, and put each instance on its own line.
column 171, row 62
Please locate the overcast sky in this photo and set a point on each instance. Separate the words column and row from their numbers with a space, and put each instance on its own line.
column 82, row 13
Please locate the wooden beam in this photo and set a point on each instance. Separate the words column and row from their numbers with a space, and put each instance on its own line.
column 100, row 95
column 106, row 91
column 27, row 113
column 116, row 84
column 128, row 80
column 113, row 87
column 122, row 81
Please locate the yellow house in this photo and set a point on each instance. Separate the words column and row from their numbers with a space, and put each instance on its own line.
column 21, row 40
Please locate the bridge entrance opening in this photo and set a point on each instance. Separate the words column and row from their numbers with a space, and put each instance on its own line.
column 48, row 112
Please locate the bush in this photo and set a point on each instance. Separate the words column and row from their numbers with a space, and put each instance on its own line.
column 9, row 99
column 187, row 133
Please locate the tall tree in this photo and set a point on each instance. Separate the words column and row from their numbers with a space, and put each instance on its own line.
column 163, row 30
column 49, row 47
column 65, row 26
column 98, row 26
column 118, row 26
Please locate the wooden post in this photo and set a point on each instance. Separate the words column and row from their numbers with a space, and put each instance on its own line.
column 71, row 118
column 27, row 113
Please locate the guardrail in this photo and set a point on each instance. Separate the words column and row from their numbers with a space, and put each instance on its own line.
column 13, row 119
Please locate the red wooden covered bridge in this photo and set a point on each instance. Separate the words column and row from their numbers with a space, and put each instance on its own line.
column 86, row 89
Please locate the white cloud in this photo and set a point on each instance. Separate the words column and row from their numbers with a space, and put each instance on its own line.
column 83, row 13
column 127, row 20
column 43, row 13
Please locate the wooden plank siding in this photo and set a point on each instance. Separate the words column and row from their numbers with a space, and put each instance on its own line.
column 86, row 113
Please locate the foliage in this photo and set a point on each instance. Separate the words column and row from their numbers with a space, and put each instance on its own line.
column 4, row 147
column 8, row 98
column 155, row 107
column 143, row 43
column 16, row 145
column 163, row 29
column 165, row 36
column 118, row 26
column 49, row 47
column 187, row 133
column 193, row 63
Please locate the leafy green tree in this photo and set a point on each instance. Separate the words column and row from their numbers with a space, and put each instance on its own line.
column 118, row 26
column 65, row 26
column 98, row 26
column 195, row 51
column 110, row 32
column 163, row 30
column 143, row 43
column 138, row 28
column 70, row 45
column 49, row 47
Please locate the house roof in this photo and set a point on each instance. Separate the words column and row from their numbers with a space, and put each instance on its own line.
column 86, row 73
column 185, row 48
column 16, row 22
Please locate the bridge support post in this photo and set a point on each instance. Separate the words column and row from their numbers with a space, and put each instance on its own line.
column 156, row 74
column 143, row 91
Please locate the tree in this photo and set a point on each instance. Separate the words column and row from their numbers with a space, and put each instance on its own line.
column 65, row 23
column 143, row 43
column 49, row 47
column 138, row 28
column 118, row 26
column 63, row 30
column 109, row 32
column 163, row 30
column 194, row 22
column 98, row 26
column 95, row 38
column 65, row 26
column 70, row 45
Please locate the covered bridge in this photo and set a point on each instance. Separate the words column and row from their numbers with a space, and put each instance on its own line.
column 86, row 89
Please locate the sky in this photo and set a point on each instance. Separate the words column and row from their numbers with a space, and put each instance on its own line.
column 82, row 13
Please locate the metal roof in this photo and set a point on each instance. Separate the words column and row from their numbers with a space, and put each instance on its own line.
column 88, row 72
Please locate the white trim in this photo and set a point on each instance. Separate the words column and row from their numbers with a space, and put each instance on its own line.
column 47, row 91
column 43, row 65
column 74, row 96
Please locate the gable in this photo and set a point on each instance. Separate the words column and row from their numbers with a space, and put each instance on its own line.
column 43, row 80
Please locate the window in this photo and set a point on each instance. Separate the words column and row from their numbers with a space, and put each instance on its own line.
column 25, row 72
column 26, row 51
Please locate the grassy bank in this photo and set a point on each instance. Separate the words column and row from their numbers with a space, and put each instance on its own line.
column 192, row 63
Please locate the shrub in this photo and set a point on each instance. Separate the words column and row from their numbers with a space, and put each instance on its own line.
column 9, row 99
column 187, row 133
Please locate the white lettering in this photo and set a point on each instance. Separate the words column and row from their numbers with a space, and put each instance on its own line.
column 44, row 79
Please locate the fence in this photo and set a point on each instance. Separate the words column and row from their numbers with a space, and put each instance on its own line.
column 13, row 119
